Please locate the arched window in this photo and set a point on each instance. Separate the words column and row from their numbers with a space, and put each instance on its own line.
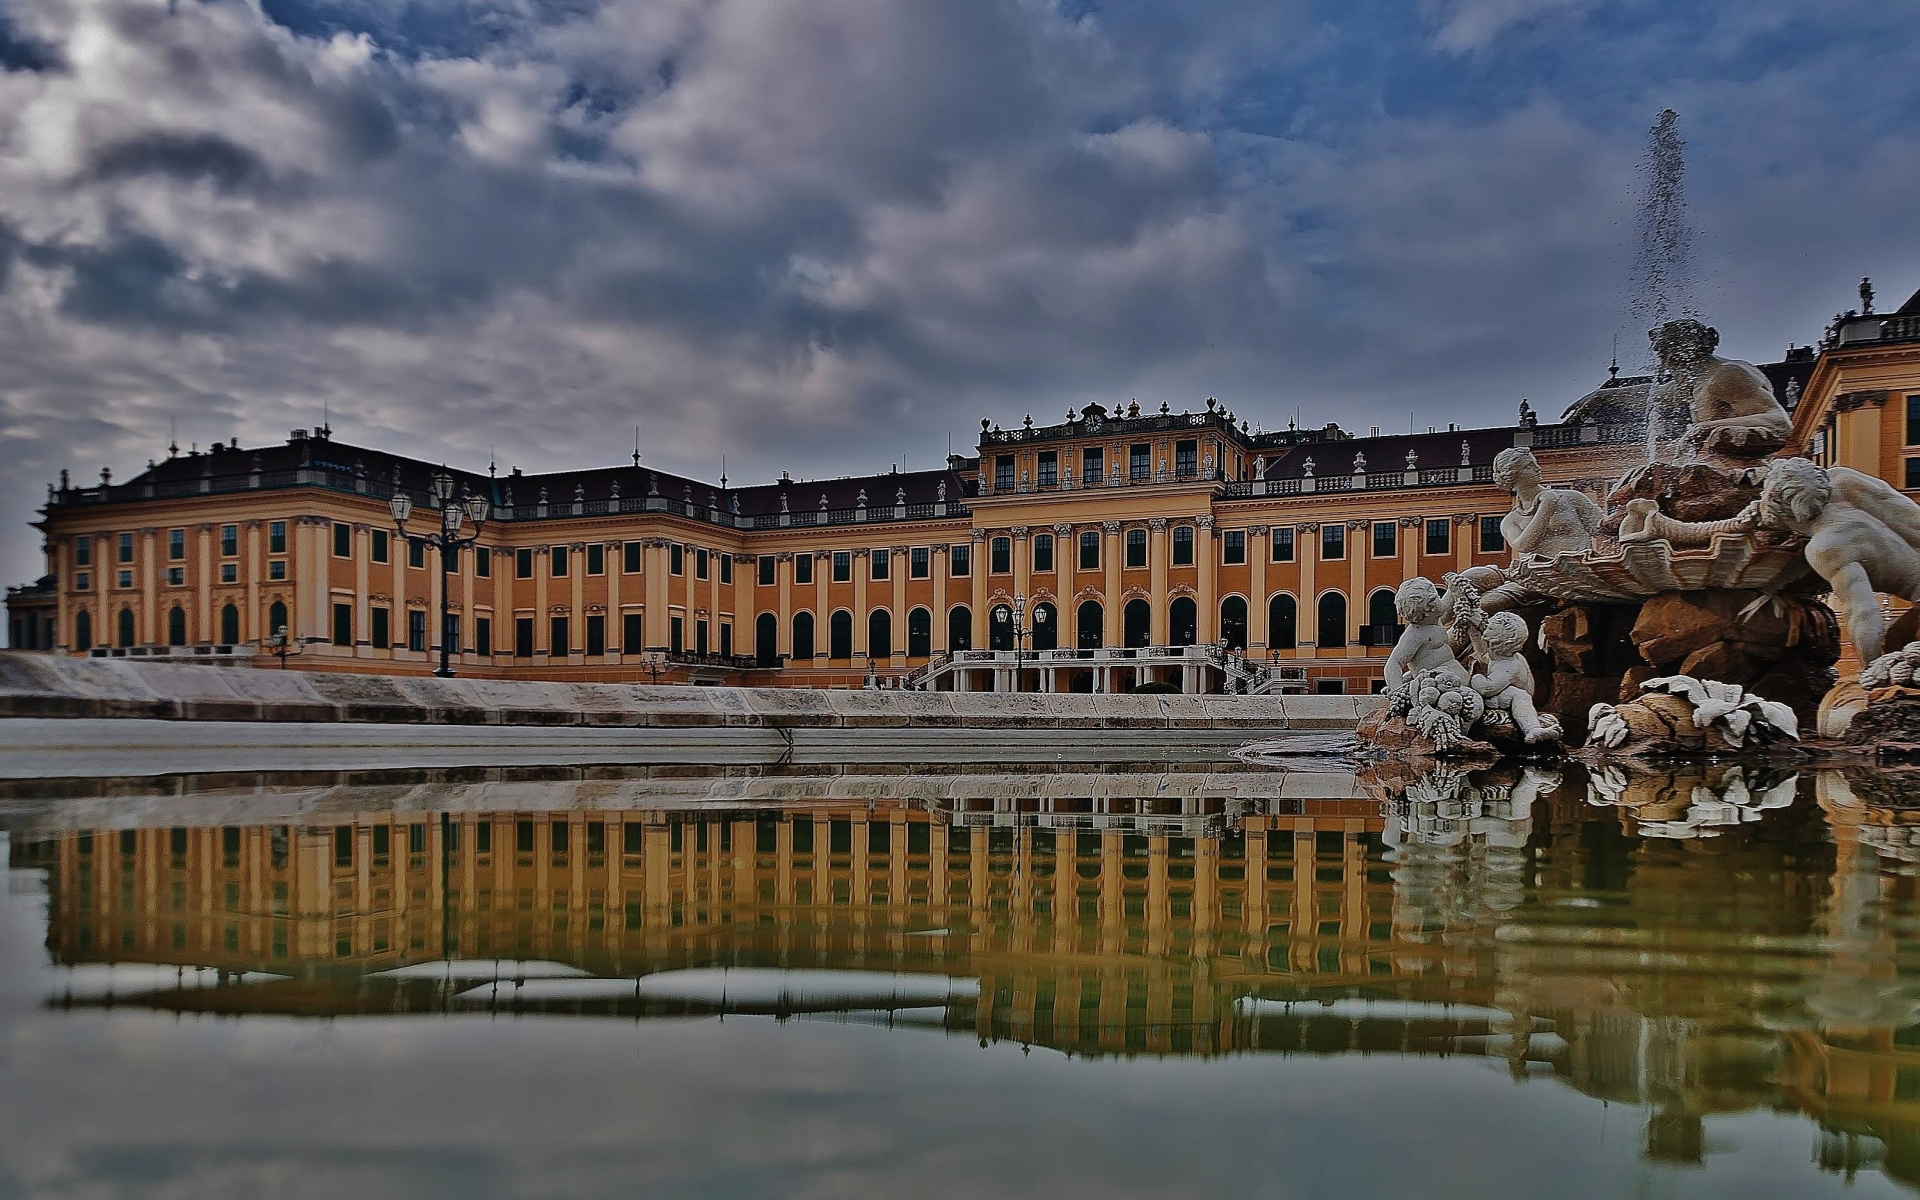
column 1136, row 623
column 1090, row 625
column 276, row 618
column 802, row 636
column 1332, row 630
column 125, row 631
column 83, row 630
column 879, row 634
column 1283, row 615
column 229, row 626
column 766, row 640
column 1382, row 617
column 959, row 628
column 1046, row 628
column 1233, row 622
column 176, row 626
column 919, row 634
column 1000, row 627
column 840, row 635
column 1183, row 621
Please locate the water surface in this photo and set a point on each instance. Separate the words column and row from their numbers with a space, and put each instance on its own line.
column 1150, row 980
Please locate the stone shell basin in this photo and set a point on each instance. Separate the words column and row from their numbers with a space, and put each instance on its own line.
column 1636, row 570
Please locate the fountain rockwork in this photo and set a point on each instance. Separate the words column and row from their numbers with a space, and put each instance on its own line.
column 1712, row 564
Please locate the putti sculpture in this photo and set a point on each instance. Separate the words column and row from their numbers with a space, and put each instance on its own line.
column 1437, row 704
column 1507, row 685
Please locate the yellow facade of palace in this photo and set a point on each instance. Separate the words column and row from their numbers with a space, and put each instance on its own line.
column 1139, row 542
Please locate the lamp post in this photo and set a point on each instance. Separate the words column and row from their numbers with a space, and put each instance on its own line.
column 1017, row 615
column 654, row 662
column 448, row 541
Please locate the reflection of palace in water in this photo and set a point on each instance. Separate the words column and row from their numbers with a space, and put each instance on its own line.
column 1154, row 912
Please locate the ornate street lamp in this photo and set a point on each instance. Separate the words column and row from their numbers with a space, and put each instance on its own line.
column 1017, row 615
column 449, row 542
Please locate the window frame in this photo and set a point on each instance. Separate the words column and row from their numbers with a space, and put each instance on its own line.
column 841, row 567
column 1391, row 527
column 1492, row 540
column 1000, row 555
column 1042, row 553
column 1182, row 554
column 960, row 560
column 1233, row 547
column 1445, row 527
column 1333, row 533
column 1134, row 550
column 1281, row 536
column 880, row 565
column 1089, row 540
column 920, row 562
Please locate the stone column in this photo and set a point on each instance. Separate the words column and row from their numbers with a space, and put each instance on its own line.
column 1359, row 549
column 204, row 630
column 1208, row 559
column 616, row 620
column 822, row 605
column 1111, row 557
column 397, row 617
column 1465, row 533
column 1259, row 553
column 862, row 582
column 938, row 567
column 1306, row 549
column 1066, row 557
column 981, row 640
column 362, row 612
column 149, row 598
column 654, row 564
column 897, row 572
column 1157, row 578
column 576, row 596
column 250, row 630
column 1022, row 561
column 783, row 575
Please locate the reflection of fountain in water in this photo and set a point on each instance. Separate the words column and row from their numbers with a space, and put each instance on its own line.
column 1663, row 253
column 1458, row 850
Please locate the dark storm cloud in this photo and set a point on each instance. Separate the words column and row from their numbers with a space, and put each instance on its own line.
column 819, row 236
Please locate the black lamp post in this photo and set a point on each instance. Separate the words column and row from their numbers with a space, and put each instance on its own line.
column 1018, row 616
column 448, row 541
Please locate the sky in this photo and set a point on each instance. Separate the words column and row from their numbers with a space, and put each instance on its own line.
column 826, row 236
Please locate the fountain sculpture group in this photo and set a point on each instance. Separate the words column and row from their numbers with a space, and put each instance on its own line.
column 1695, row 613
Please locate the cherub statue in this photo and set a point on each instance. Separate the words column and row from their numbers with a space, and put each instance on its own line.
column 1733, row 407
column 1423, row 645
column 1508, row 683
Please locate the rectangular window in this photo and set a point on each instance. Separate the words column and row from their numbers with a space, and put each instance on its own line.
column 343, row 624
column 879, row 564
column 276, row 570
column 726, row 640
column 1049, row 468
column 1000, row 556
column 960, row 560
column 630, row 557
column 277, row 537
column 768, row 568
column 382, row 626
column 176, row 576
column 1092, row 465
column 1386, row 539
column 416, row 552
column 126, row 544
column 126, row 577
column 1183, row 546
column 523, row 637
column 1136, row 548
column 559, row 634
column 920, row 562
column 633, row 632
column 523, row 564
column 803, row 567
column 1439, row 535
column 378, row 551
column 482, row 562
column 1042, row 553
column 450, row 632
column 557, row 562
column 1003, row 473
column 1139, row 461
column 1913, row 420
column 342, row 540
column 700, row 564
column 842, row 566
column 596, row 558
column 700, row 638
column 176, row 545
column 676, row 559
column 726, row 568
column 416, row 629
column 229, row 572
column 596, row 633
column 83, row 550
column 1333, row 540
column 1186, row 459
column 1492, row 541
column 1090, row 551
column 677, row 634
column 483, row 635
column 1233, row 547
column 82, row 580
column 1912, row 474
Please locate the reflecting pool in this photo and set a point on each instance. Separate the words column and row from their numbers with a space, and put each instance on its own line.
column 1147, row 980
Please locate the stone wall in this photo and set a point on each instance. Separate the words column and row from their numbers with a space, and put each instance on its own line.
column 45, row 685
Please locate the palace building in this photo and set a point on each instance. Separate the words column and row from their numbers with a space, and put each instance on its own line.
column 1114, row 548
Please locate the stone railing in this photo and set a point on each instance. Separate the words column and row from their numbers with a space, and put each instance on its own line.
column 1107, row 479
